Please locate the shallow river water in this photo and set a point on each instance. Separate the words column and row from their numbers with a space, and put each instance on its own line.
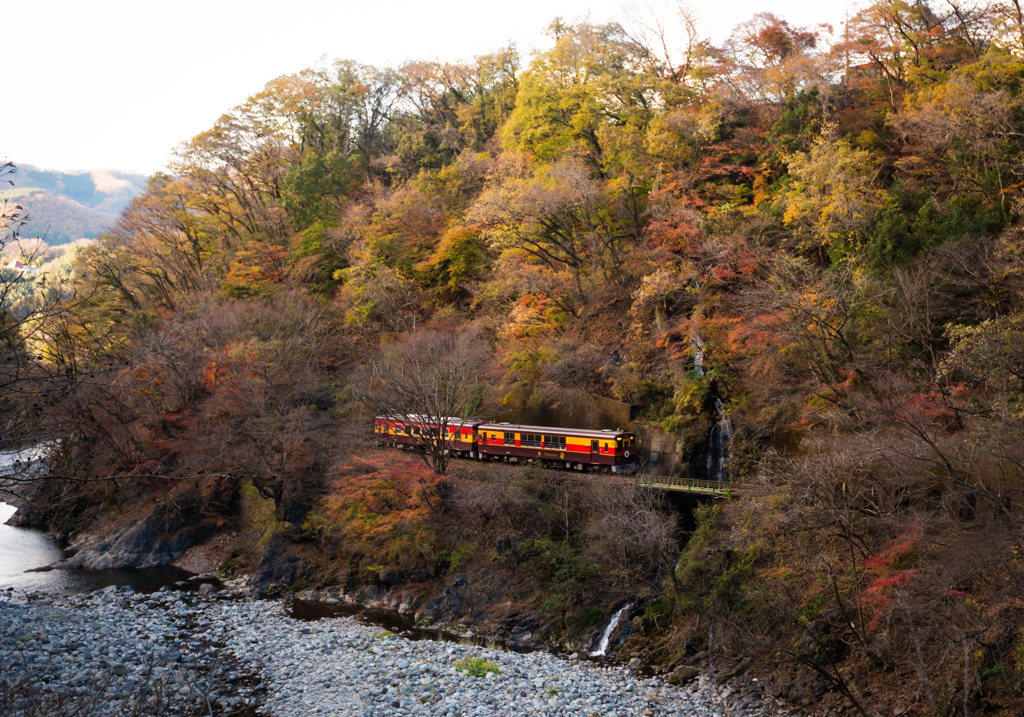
column 22, row 550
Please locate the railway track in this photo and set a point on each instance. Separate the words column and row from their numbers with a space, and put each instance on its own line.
column 676, row 484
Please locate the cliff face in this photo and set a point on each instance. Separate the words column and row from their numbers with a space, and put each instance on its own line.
column 156, row 539
column 119, row 525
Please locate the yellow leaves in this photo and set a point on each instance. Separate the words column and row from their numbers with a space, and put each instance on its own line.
column 779, row 573
column 532, row 316
column 568, row 95
column 762, row 185
column 255, row 270
column 832, row 196
column 681, row 134
column 963, row 134
column 793, row 212
column 655, row 290
column 457, row 258
column 526, row 363
column 373, row 293
column 988, row 357
column 689, row 398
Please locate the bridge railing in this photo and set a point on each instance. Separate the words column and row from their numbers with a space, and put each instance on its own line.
column 686, row 485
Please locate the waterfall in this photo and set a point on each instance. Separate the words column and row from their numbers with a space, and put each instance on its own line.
column 698, row 354
column 718, row 446
column 603, row 646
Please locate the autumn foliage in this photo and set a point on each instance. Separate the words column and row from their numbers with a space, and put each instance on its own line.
column 813, row 232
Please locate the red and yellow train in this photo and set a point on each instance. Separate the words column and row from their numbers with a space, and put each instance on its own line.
column 569, row 448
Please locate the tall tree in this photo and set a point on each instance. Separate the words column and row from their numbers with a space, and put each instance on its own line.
column 576, row 96
column 422, row 382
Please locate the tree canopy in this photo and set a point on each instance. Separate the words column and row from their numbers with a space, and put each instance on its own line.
column 814, row 232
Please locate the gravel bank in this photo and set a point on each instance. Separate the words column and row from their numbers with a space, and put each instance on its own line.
column 182, row 652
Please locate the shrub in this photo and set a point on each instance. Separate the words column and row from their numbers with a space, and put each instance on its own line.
column 589, row 617
column 658, row 612
column 461, row 556
column 476, row 666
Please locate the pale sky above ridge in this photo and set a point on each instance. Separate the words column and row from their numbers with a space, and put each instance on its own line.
column 119, row 83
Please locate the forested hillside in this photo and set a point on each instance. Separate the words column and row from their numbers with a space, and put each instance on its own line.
column 66, row 206
column 829, row 221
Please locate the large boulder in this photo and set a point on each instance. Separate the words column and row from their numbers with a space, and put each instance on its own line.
column 278, row 568
column 147, row 542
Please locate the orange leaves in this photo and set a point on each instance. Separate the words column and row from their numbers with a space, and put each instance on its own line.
column 890, row 575
column 925, row 409
column 676, row 232
column 214, row 373
column 256, row 269
column 533, row 315
column 718, row 270
column 752, row 337
column 728, row 262
column 243, row 374
column 380, row 504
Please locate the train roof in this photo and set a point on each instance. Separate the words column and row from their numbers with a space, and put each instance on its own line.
column 553, row 431
column 415, row 417
column 516, row 427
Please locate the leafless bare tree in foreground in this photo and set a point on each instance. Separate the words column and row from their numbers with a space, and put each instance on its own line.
column 424, row 381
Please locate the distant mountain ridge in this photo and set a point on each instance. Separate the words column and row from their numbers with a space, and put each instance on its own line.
column 65, row 206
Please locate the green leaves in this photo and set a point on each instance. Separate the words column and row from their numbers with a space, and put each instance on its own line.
column 578, row 91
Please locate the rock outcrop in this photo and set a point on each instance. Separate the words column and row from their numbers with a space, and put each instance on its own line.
column 153, row 538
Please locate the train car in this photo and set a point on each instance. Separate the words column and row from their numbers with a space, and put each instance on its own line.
column 570, row 448
column 407, row 431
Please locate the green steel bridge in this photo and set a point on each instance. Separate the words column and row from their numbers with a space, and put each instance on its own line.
column 687, row 485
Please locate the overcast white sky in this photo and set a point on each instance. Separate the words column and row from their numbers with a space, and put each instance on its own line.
column 119, row 83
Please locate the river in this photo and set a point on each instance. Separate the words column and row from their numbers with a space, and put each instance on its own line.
column 23, row 550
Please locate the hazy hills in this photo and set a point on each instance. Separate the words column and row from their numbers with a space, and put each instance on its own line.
column 65, row 206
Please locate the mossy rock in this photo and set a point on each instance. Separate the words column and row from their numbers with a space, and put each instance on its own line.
column 682, row 675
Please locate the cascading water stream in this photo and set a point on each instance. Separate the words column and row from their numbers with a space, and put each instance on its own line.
column 718, row 446
column 698, row 354
column 607, row 636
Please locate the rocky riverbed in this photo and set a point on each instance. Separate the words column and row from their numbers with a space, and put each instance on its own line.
column 223, row 653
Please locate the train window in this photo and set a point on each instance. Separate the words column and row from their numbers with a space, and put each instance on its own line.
column 530, row 439
column 555, row 443
column 510, row 439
